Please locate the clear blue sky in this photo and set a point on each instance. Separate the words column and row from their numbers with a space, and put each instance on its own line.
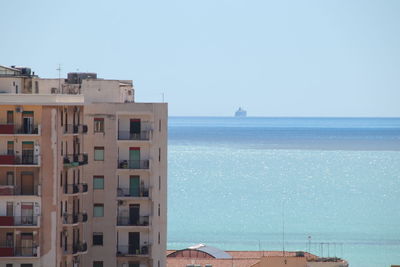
column 274, row 58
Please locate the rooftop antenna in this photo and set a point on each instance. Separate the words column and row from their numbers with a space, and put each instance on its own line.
column 322, row 249
column 283, row 227
column 309, row 244
column 162, row 96
column 59, row 77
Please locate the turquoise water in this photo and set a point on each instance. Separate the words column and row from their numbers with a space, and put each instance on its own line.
column 234, row 183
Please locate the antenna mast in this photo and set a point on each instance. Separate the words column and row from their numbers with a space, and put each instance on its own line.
column 59, row 78
column 283, row 227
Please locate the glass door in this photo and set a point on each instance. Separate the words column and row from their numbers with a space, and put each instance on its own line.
column 134, row 158
column 134, row 186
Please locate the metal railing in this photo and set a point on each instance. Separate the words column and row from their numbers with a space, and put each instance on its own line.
column 14, row 190
column 74, row 218
column 75, row 188
column 75, row 159
column 133, row 192
column 19, row 129
column 79, row 247
column 11, row 159
column 128, row 250
column 129, row 221
column 30, row 220
column 75, row 129
column 127, row 135
column 20, row 251
column 133, row 164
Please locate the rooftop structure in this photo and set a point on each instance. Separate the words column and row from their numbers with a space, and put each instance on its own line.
column 206, row 256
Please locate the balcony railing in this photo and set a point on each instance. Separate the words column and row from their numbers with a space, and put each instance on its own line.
column 75, row 129
column 19, row 220
column 74, row 160
column 126, row 135
column 19, row 129
column 75, row 188
column 132, row 250
column 133, row 192
column 74, row 218
column 13, row 190
column 134, row 164
column 129, row 221
column 11, row 251
column 79, row 247
column 11, row 159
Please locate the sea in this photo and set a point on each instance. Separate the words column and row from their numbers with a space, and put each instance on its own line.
column 329, row 186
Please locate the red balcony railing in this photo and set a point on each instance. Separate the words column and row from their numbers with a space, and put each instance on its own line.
column 19, row 220
column 19, row 160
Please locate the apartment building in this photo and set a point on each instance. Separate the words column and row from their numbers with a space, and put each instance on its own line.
column 83, row 173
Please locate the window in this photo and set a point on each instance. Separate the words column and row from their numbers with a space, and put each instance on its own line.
column 98, row 182
column 26, row 265
column 10, row 148
column 10, row 178
column 99, row 153
column 159, row 210
column 10, row 117
column 97, row 264
column 159, row 238
column 97, row 239
column 159, row 182
column 98, row 125
column 159, row 154
column 9, row 265
column 98, row 210
column 159, row 125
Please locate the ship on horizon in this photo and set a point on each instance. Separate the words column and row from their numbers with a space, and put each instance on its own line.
column 241, row 113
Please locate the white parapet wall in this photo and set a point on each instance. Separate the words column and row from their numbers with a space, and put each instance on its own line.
column 41, row 99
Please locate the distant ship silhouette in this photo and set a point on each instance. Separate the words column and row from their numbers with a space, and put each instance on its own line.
column 241, row 113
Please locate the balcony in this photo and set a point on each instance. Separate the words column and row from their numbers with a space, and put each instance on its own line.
column 13, row 190
column 142, row 136
column 130, row 221
column 71, row 189
column 11, row 251
column 11, row 159
column 75, row 160
column 132, row 250
column 134, row 164
column 74, row 218
column 12, row 129
column 19, row 220
column 77, row 248
column 142, row 192
column 75, row 129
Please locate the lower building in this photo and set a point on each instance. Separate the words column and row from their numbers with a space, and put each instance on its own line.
column 206, row 256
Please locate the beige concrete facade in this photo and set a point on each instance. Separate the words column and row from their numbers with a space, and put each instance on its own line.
column 83, row 173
